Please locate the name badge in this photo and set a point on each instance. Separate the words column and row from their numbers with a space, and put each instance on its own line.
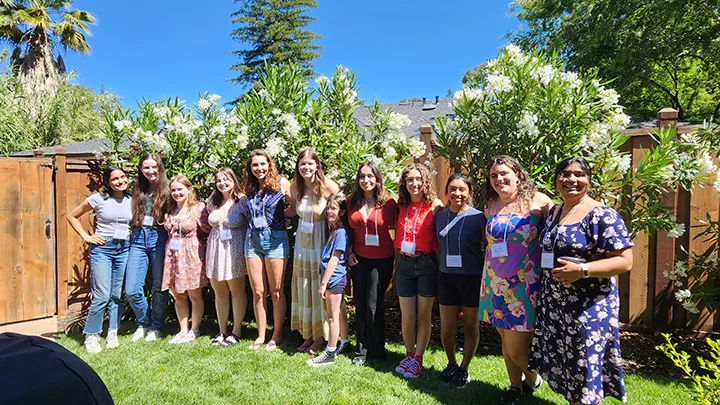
column 225, row 234
column 175, row 244
column 547, row 260
column 499, row 249
column 306, row 227
column 453, row 260
column 261, row 222
column 149, row 220
column 408, row 248
column 372, row 240
column 121, row 232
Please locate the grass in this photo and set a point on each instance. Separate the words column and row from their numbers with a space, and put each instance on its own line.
column 194, row 373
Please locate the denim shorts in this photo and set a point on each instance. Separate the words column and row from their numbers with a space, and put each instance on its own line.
column 416, row 276
column 267, row 243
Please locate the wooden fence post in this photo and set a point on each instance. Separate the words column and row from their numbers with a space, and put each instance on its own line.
column 61, row 228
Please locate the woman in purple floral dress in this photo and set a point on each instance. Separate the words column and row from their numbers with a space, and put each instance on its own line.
column 576, row 347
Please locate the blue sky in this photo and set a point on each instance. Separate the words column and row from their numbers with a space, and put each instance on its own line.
column 399, row 49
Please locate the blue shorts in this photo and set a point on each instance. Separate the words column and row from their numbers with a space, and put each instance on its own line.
column 267, row 243
column 338, row 287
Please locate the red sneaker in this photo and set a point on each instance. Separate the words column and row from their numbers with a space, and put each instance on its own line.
column 414, row 369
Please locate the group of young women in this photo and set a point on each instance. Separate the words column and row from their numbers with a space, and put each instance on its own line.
column 541, row 274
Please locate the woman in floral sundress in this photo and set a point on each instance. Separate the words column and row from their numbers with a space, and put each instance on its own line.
column 576, row 346
column 508, row 295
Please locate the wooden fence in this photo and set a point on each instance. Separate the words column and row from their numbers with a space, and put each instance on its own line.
column 646, row 296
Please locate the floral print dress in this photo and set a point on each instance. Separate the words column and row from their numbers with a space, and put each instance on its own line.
column 184, row 268
column 508, row 294
column 576, row 346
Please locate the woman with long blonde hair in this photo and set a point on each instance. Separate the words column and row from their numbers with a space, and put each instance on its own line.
column 184, row 257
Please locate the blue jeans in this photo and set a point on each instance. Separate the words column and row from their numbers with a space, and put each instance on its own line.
column 107, row 269
column 147, row 247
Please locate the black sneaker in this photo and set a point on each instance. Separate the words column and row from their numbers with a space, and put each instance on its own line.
column 511, row 397
column 527, row 389
column 447, row 375
column 322, row 359
column 362, row 361
column 460, row 378
column 342, row 347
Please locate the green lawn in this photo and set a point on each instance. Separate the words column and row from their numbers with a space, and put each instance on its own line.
column 196, row 373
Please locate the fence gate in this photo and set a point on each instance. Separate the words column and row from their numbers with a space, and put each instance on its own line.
column 27, row 240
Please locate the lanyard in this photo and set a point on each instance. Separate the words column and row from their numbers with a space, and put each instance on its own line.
column 258, row 208
column 556, row 227
column 447, row 238
column 365, row 219
column 414, row 224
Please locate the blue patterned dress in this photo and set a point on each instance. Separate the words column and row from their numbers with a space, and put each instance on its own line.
column 576, row 346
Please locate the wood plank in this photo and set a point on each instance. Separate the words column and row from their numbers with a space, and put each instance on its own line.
column 664, row 261
column 704, row 201
column 35, row 260
column 11, row 309
column 61, row 233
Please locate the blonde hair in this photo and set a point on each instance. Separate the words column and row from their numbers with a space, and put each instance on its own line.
column 191, row 198
column 319, row 187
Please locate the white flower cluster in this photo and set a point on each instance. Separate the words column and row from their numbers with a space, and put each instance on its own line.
column 572, row 79
column 544, row 74
column 498, row 84
column 516, row 55
column 619, row 163
column 264, row 94
column 184, row 124
column 609, row 98
column 416, row 147
column 528, row 124
column 275, row 147
column 685, row 298
column 322, row 80
column 397, row 121
column 154, row 141
column 706, row 164
column 120, row 125
column 468, row 93
column 161, row 112
column 290, row 125
column 678, row 273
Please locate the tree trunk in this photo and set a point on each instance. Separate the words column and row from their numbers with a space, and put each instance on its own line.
column 38, row 71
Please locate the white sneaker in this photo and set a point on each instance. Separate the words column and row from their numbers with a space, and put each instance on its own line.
column 151, row 336
column 111, row 341
column 179, row 338
column 92, row 343
column 139, row 334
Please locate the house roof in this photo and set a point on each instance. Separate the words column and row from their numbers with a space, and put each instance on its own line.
column 76, row 149
column 419, row 113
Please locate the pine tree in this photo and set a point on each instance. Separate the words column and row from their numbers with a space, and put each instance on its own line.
column 273, row 30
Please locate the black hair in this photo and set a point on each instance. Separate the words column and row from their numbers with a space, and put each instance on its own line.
column 107, row 190
column 584, row 165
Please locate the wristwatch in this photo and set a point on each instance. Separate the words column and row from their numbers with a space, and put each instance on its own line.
column 585, row 270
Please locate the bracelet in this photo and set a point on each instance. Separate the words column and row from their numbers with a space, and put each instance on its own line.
column 585, row 270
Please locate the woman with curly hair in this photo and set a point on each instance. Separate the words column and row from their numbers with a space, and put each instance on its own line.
column 515, row 212
column 266, row 247
column 417, row 264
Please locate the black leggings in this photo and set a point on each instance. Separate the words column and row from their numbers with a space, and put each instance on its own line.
column 371, row 278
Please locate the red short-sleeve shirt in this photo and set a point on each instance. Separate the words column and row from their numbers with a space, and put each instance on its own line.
column 379, row 222
column 416, row 218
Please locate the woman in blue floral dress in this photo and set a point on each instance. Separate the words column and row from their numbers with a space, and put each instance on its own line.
column 576, row 347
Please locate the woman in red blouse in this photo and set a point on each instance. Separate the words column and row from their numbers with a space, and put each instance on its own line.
column 417, row 264
column 371, row 214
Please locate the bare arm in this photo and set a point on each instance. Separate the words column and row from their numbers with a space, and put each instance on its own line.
column 614, row 263
column 74, row 219
column 329, row 270
column 437, row 206
column 545, row 203
column 332, row 187
column 291, row 197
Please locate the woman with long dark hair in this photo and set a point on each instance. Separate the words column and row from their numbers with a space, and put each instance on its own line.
column 309, row 193
column 371, row 215
column 109, row 247
column 147, row 246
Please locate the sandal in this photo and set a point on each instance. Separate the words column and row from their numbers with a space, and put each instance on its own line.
column 255, row 345
column 218, row 341
column 271, row 346
column 231, row 340
column 303, row 347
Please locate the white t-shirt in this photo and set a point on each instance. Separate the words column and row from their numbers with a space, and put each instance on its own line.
column 111, row 214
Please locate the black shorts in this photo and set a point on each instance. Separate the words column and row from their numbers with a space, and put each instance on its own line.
column 416, row 276
column 459, row 289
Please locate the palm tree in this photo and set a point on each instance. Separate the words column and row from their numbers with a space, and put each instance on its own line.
column 34, row 28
